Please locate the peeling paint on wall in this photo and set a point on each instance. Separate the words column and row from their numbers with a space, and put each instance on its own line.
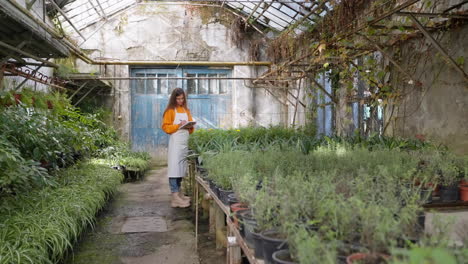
column 154, row 31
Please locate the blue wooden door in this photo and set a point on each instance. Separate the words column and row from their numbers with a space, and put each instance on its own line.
column 209, row 102
column 209, row 99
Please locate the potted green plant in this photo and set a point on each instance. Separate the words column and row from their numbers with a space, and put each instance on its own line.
column 449, row 178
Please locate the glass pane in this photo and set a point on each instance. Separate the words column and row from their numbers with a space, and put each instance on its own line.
column 151, row 84
column 140, row 84
column 202, row 84
column 172, row 83
column 223, row 84
column 213, row 84
column 191, row 84
column 162, row 84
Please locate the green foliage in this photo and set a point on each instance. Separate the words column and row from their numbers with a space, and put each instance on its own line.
column 34, row 138
column 41, row 136
column 56, row 101
column 132, row 163
column 342, row 190
column 215, row 140
column 39, row 226
column 66, row 66
column 19, row 174
column 119, row 154
column 417, row 255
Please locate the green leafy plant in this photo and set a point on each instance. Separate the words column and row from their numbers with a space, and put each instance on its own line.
column 39, row 226
column 19, row 175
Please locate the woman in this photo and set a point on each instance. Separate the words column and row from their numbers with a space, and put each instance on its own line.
column 175, row 116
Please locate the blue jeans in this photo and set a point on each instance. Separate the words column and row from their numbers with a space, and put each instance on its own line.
column 175, row 184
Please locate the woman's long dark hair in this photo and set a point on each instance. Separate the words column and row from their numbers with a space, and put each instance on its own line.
column 173, row 99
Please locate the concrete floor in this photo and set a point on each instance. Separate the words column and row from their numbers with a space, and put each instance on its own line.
column 138, row 226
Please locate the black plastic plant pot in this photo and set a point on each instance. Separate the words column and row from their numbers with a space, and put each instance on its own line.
column 232, row 199
column 224, row 195
column 213, row 186
column 421, row 221
column 216, row 191
column 426, row 195
column 250, row 224
column 204, row 176
column 273, row 240
column 202, row 171
column 241, row 222
column 258, row 243
column 283, row 257
column 211, row 183
column 449, row 194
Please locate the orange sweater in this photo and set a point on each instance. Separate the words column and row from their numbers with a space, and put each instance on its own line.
column 168, row 120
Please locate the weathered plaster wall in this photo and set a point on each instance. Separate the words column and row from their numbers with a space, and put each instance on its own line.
column 172, row 32
column 439, row 108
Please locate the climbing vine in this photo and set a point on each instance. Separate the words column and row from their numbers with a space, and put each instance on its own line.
column 349, row 32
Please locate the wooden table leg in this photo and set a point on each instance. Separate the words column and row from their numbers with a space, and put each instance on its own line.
column 196, row 216
column 219, row 227
column 233, row 249
column 212, row 217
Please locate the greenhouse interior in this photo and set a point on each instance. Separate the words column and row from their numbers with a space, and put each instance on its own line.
column 233, row 131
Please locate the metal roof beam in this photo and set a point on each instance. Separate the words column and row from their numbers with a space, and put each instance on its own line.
column 66, row 18
column 254, row 10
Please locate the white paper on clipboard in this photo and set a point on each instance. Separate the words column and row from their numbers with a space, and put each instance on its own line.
column 188, row 124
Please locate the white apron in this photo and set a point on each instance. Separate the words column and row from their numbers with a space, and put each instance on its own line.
column 178, row 149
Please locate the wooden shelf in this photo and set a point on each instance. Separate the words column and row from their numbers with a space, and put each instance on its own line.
column 455, row 206
column 248, row 252
column 207, row 188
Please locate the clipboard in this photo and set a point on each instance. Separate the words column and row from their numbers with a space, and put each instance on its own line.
column 188, row 124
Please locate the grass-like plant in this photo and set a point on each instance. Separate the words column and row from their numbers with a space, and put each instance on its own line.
column 351, row 195
column 39, row 226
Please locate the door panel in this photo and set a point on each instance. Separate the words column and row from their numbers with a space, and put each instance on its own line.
column 209, row 102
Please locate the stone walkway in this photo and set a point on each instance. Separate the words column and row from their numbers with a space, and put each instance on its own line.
column 139, row 227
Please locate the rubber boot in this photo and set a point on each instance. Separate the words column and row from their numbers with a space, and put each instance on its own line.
column 178, row 202
column 183, row 197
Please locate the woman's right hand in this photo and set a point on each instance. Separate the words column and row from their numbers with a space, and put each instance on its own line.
column 183, row 122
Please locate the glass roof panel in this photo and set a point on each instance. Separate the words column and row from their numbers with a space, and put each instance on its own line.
column 277, row 14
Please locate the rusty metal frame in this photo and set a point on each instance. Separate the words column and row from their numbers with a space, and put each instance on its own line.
column 84, row 96
column 394, row 11
column 9, row 55
column 66, row 18
column 78, row 90
column 381, row 50
column 27, row 54
column 436, row 44
column 33, row 72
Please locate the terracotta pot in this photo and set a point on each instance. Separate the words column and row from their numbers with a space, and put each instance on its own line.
column 354, row 258
column 237, row 207
column 17, row 98
column 463, row 182
column 50, row 105
column 464, row 192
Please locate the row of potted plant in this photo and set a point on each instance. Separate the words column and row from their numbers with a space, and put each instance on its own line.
column 334, row 201
column 251, row 138
column 120, row 157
